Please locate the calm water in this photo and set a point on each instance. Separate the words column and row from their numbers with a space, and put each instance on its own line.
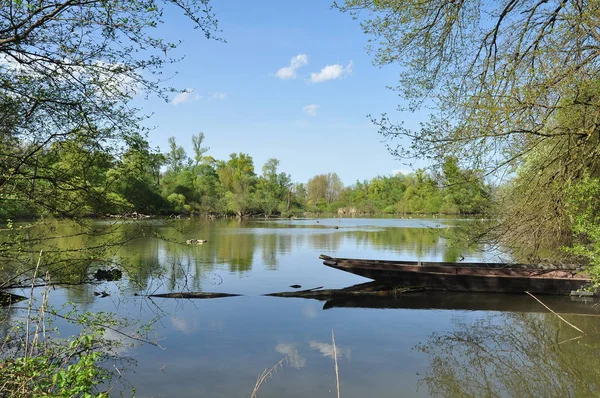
column 421, row 345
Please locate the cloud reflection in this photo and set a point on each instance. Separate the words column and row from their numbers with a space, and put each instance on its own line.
column 326, row 349
column 183, row 325
column 310, row 311
column 294, row 359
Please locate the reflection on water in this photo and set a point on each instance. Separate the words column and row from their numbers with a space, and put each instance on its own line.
column 515, row 355
column 291, row 351
column 466, row 301
column 326, row 349
column 158, row 258
column 238, row 248
column 468, row 345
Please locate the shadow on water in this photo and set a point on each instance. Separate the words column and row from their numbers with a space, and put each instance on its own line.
column 460, row 301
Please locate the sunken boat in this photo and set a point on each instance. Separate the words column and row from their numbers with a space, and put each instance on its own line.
column 467, row 277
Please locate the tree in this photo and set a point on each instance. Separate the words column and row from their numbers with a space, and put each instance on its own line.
column 199, row 150
column 175, row 157
column 135, row 179
column 75, row 65
column 317, row 187
column 68, row 72
column 274, row 189
column 324, row 186
column 209, row 189
column 514, row 90
column 268, row 189
column 238, row 178
column 464, row 190
column 495, row 72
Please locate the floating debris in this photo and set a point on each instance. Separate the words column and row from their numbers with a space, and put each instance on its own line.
column 363, row 289
column 196, row 241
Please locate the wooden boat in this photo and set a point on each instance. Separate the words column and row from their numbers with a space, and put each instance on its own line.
column 466, row 277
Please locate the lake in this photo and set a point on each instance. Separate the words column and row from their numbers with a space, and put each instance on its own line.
column 432, row 344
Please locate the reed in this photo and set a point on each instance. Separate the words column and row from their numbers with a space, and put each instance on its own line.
column 337, row 371
column 267, row 373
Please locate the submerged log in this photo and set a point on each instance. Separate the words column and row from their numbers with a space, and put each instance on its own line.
column 193, row 295
column 363, row 289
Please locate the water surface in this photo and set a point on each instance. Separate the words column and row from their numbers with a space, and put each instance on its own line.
column 428, row 344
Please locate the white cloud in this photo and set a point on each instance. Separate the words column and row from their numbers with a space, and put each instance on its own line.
column 219, row 96
column 310, row 110
column 289, row 72
column 185, row 96
column 331, row 72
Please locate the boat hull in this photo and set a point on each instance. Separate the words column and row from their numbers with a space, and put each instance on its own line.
column 468, row 278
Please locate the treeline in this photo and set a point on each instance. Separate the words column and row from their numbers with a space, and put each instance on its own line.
column 83, row 178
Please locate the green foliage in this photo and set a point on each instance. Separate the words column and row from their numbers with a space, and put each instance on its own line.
column 134, row 182
column 327, row 187
column 59, row 372
column 583, row 209
column 71, row 145
column 42, row 364
column 513, row 92
column 177, row 202
column 492, row 73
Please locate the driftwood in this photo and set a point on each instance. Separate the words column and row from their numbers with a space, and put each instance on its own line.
column 193, row 295
column 363, row 289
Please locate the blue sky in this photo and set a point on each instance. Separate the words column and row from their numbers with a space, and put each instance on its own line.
column 293, row 81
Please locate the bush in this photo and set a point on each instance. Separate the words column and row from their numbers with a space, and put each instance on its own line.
column 583, row 209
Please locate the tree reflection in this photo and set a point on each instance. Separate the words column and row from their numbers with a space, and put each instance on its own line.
column 517, row 355
column 156, row 249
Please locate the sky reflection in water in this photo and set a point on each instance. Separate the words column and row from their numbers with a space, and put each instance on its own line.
column 217, row 348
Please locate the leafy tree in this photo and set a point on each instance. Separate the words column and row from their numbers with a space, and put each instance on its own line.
column 324, row 186
column 583, row 209
column 274, row 189
column 68, row 72
column 496, row 72
column 514, row 91
column 135, row 179
column 209, row 189
column 199, row 150
column 176, row 157
column 238, row 178
column 464, row 190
